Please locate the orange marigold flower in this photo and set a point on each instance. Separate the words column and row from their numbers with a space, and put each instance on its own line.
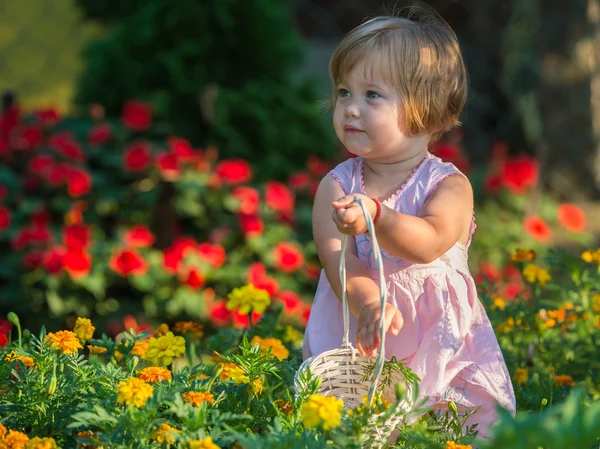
column 523, row 255
column 12, row 356
column 521, row 376
column 571, row 217
column 563, row 379
column 275, row 345
column 453, row 445
column 198, row 397
column 162, row 330
column 166, row 434
column 154, row 374
column 66, row 341
column 96, row 349
column 185, row 327
column 15, row 440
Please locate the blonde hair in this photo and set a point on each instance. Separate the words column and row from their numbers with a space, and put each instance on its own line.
column 418, row 54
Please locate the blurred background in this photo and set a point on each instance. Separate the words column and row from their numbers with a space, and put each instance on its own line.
column 157, row 154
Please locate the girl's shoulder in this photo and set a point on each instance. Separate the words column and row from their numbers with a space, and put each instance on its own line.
column 345, row 173
column 436, row 171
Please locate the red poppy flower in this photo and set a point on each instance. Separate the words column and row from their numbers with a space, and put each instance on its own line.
column 511, row 290
column 288, row 257
column 313, row 271
column 279, row 197
column 33, row 259
column 128, row 261
column 53, row 260
column 299, row 180
column 194, row 278
column 249, row 199
column 76, row 236
column 77, row 262
column 251, row 225
column 29, row 138
column 137, row 115
column 257, row 276
column 520, row 173
column 99, row 134
column 213, row 254
column 139, row 236
column 48, row 116
column 292, row 303
column 317, row 166
column 571, row 217
column 449, row 152
column 5, row 218
column 218, row 314
column 79, row 182
column 181, row 148
column 234, row 171
column 538, row 229
column 488, row 272
column 137, row 157
column 66, row 145
column 168, row 166
column 173, row 255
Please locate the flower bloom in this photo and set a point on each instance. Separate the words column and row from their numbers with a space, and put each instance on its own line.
column 571, row 217
column 499, row 303
column 523, row 255
column 40, row 443
column 196, row 398
column 137, row 115
column 248, row 298
column 538, row 229
column 206, row 443
column 84, row 329
column 154, row 374
column 590, row 256
column 162, row 350
column 521, row 376
column 139, row 236
column 275, row 345
column 288, row 257
column 96, row 349
column 453, row 445
column 533, row 273
column 12, row 357
column 563, row 380
column 66, row 341
column 12, row 439
column 322, row 409
column 185, row 327
column 128, row 261
column 165, row 434
column 134, row 391
column 234, row 171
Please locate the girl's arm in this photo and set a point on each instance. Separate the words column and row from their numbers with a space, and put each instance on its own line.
column 421, row 239
column 362, row 290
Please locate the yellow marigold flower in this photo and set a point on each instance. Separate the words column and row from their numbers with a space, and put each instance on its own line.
column 134, row 391
column 140, row 348
column 292, row 335
column 162, row 330
column 550, row 322
column 257, row 386
column 322, row 409
column 521, row 376
column 27, row 361
column 590, row 256
column 189, row 327
column 154, row 374
column 162, row 350
column 568, row 305
column 523, row 255
column 15, row 440
column 248, row 298
column 284, row 406
column 41, row 443
column 498, row 303
column 66, row 341
column 84, row 329
column 564, row 380
column 533, row 273
column 277, row 348
column 596, row 303
column 227, row 370
column 453, row 445
column 166, row 434
column 96, row 349
column 206, row 443
column 196, row 398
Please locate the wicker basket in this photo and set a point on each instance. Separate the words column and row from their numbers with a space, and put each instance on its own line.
column 344, row 372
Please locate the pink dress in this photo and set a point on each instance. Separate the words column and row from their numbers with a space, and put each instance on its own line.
column 447, row 338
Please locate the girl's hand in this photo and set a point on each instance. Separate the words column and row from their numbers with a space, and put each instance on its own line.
column 367, row 333
column 349, row 217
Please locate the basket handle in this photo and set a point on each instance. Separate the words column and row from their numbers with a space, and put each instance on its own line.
column 382, row 296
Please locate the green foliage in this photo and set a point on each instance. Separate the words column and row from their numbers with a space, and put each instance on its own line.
column 220, row 72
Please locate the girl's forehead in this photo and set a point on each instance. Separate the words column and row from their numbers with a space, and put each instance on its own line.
column 369, row 70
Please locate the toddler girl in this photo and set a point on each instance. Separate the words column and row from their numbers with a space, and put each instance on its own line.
column 399, row 83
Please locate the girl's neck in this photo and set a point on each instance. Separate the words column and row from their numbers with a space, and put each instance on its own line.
column 400, row 166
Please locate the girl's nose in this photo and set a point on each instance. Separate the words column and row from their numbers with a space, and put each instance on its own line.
column 352, row 110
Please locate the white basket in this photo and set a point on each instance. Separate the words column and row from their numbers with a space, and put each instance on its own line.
column 343, row 371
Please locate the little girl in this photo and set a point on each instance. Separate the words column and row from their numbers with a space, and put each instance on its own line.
column 398, row 84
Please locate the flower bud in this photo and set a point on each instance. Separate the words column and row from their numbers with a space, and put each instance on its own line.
column 13, row 318
column 452, row 407
column 400, row 391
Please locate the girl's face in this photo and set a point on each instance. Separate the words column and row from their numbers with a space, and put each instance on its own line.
column 368, row 115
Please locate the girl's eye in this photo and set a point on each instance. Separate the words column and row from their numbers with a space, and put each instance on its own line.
column 371, row 94
column 343, row 93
